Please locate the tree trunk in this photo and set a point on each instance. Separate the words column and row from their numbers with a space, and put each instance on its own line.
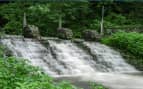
column 60, row 21
column 102, row 21
column 24, row 20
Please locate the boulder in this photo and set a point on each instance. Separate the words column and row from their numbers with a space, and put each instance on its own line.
column 7, row 52
column 78, row 40
column 31, row 31
column 64, row 33
column 91, row 35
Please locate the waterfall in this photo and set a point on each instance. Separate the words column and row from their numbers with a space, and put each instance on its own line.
column 88, row 61
column 110, row 59
column 63, row 57
column 74, row 60
column 34, row 51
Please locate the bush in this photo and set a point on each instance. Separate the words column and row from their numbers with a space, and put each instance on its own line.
column 131, row 43
column 97, row 86
column 16, row 74
column 1, row 51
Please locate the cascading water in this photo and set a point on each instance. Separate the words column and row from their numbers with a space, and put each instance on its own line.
column 75, row 60
column 110, row 59
column 29, row 49
column 61, row 58
column 58, row 59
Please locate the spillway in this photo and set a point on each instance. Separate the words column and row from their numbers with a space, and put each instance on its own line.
column 64, row 58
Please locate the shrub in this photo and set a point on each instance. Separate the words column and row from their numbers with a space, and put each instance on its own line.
column 16, row 74
column 2, row 51
column 97, row 86
column 130, row 43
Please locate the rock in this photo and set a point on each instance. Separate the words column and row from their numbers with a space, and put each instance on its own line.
column 91, row 35
column 64, row 33
column 31, row 31
column 8, row 53
column 78, row 40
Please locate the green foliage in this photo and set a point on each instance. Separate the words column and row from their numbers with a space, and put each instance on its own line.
column 44, row 15
column 97, row 86
column 131, row 43
column 95, row 24
column 2, row 51
column 116, row 19
column 75, row 15
column 16, row 74
column 13, row 13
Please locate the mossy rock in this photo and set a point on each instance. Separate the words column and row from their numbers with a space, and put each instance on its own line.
column 31, row 31
column 64, row 33
column 91, row 35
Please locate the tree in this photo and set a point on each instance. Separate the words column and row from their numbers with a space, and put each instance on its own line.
column 57, row 12
column 102, row 21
